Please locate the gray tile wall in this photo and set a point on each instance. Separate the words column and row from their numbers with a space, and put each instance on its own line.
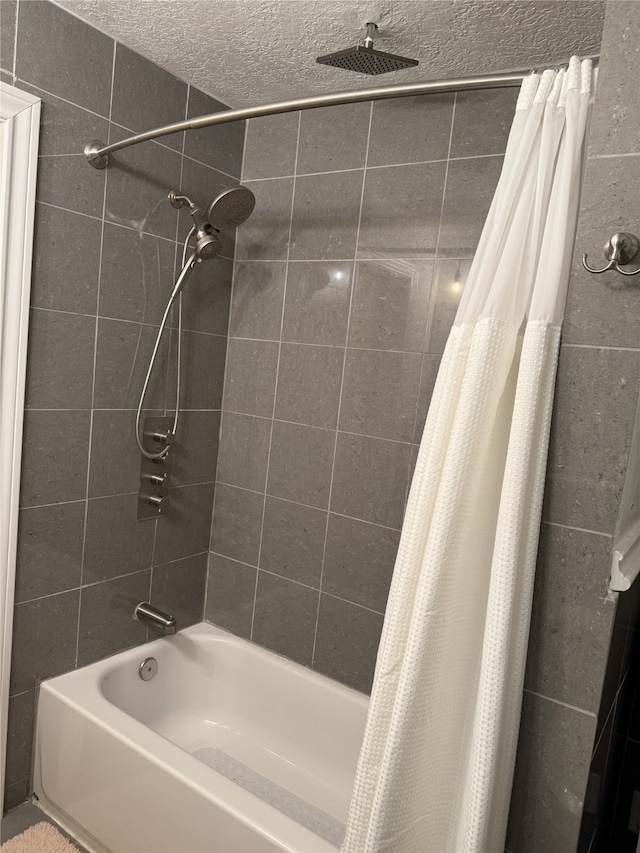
column 346, row 283
column 106, row 253
column 581, row 648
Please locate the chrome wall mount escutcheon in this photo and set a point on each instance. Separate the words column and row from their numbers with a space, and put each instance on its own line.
column 620, row 249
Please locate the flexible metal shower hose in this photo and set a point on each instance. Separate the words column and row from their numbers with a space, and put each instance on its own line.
column 187, row 267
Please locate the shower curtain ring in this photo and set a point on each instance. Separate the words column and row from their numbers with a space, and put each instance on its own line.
column 619, row 250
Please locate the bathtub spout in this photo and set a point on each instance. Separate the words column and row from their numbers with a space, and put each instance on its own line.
column 146, row 612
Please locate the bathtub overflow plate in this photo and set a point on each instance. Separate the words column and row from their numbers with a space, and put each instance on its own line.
column 148, row 669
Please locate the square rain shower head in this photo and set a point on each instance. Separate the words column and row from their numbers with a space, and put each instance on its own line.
column 366, row 60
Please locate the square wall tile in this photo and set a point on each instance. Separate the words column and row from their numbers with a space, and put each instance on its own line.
column 219, row 146
column 430, row 368
column 8, row 34
column 54, row 457
column 113, row 473
column 554, row 749
column 250, row 379
column 316, row 309
column 300, row 463
column 380, row 393
column 16, row 795
column 265, row 234
column 230, row 594
column 64, row 128
column 401, row 211
column 602, row 310
column 333, row 138
column 256, row 302
column 107, row 623
column 68, row 177
column 136, row 276
column 270, row 147
column 139, row 179
column 326, row 212
column 347, row 642
column 449, row 283
column 60, row 360
column 571, row 620
column 616, row 113
column 293, row 541
column 244, row 451
column 19, row 738
column 146, row 96
column 62, row 279
column 203, row 367
column 53, row 45
column 309, row 381
column 116, row 542
column 206, row 298
column 237, row 522
column 194, row 452
column 588, row 449
column 123, row 353
column 370, row 479
column 186, row 528
column 179, row 588
column 472, row 110
column 410, row 130
column 359, row 561
column 285, row 617
column 390, row 304
column 44, row 639
column 471, row 185
column 49, row 550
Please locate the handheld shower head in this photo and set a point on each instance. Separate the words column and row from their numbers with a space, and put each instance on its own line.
column 208, row 245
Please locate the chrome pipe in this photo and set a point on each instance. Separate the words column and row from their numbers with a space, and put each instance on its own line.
column 98, row 154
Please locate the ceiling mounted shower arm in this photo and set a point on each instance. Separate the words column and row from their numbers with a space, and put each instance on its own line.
column 97, row 154
column 371, row 34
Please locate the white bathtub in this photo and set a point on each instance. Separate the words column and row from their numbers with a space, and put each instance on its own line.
column 114, row 755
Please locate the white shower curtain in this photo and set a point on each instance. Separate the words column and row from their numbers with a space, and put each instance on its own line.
column 436, row 765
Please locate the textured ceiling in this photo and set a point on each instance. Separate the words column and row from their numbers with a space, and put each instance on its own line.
column 248, row 52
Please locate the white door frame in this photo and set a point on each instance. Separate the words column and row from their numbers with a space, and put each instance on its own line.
column 19, row 129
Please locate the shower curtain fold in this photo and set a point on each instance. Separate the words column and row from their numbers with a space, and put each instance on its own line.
column 436, row 765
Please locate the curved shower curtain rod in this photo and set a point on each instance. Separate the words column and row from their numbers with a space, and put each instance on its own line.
column 97, row 154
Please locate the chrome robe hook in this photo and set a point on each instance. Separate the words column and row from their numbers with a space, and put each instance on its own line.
column 619, row 249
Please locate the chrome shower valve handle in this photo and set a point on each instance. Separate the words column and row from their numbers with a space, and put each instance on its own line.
column 619, row 250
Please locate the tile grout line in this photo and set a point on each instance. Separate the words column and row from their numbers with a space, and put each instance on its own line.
column 577, row 529
column 298, row 503
column 275, row 391
column 15, row 41
column 170, row 331
column 224, row 384
column 432, row 293
column 93, row 379
column 103, row 581
column 344, row 367
column 298, row 583
column 560, row 702
column 600, row 347
column 375, row 168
